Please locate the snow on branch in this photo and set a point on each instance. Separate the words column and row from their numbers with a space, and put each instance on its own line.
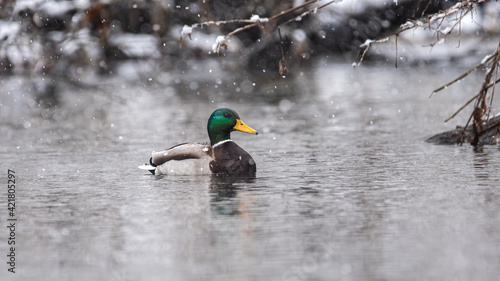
column 460, row 10
column 254, row 21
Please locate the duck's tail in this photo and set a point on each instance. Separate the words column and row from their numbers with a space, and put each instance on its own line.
column 150, row 167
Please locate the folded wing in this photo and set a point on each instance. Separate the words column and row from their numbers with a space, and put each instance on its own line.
column 182, row 152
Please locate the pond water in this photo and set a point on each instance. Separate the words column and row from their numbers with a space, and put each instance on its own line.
column 346, row 187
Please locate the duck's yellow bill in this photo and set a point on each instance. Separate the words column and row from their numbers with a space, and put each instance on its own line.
column 240, row 126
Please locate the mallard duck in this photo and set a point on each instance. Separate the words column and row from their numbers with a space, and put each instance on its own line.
column 221, row 156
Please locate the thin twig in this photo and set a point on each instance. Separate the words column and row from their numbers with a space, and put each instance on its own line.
column 367, row 44
column 282, row 64
column 438, row 18
column 468, row 102
column 460, row 77
column 252, row 23
column 492, row 95
column 287, row 12
column 396, row 62
column 461, row 108
column 480, row 107
column 293, row 9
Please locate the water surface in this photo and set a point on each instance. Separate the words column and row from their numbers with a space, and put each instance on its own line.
column 346, row 188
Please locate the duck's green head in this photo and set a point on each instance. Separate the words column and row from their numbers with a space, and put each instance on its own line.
column 222, row 122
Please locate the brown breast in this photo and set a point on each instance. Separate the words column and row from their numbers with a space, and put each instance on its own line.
column 232, row 159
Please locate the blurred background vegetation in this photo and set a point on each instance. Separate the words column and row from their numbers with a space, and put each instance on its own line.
column 68, row 39
column 83, row 43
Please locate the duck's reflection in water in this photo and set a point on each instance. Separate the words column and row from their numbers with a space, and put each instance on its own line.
column 225, row 192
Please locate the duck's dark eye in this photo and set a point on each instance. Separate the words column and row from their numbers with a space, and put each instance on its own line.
column 226, row 115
